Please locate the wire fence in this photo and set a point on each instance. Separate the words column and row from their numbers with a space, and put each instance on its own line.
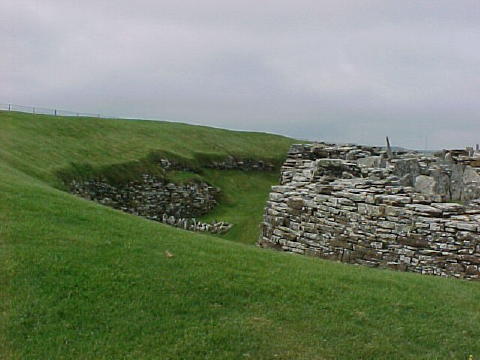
column 45, row 111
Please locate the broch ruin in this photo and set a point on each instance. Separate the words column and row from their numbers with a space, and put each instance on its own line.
column 369, row 205
column 403, row 210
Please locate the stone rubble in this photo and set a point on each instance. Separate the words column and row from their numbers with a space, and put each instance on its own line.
column 354, row 204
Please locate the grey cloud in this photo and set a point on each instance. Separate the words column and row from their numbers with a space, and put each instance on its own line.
column 350, row 71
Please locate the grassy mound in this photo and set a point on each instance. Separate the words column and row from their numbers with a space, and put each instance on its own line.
column 82, row 281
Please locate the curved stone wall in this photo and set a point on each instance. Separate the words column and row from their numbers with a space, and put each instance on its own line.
column 155, row 199
column 174, row 204
column 354, row 204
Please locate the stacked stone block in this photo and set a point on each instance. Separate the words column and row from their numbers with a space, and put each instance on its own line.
column 174, row 204
column 353, row 204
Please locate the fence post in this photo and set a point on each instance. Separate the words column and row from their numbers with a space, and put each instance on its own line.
column 46, row 111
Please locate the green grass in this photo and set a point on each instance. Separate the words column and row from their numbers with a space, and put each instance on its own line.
column 243, row 200
column 83, row 281
column 43, row 145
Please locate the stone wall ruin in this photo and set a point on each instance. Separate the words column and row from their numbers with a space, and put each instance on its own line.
column 357, row 204
column 156, row 199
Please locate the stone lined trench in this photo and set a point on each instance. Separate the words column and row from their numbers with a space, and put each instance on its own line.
column 158, row 199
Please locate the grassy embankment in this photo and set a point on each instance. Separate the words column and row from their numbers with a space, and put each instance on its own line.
column 82, row 281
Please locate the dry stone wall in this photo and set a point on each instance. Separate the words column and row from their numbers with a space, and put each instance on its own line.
column 231, row 163
column 174, row 204
column 358, row 205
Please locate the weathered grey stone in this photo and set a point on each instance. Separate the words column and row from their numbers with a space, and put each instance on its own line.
column 407, row 167
column 466, row 226
column 451, row 208
column 442, row 183
column 369, row 162
column 276, row 196
column 456, row 181
column 398, row 200
column 424, row 209
column 324, row 189
column 295, row 203
column 425, row 184
column 448, row 157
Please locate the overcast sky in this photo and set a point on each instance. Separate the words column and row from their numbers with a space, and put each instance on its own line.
column 345, row 71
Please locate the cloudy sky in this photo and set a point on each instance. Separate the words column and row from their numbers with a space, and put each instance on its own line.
column 346, row 71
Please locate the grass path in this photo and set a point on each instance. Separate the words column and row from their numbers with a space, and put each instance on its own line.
column 244, row 198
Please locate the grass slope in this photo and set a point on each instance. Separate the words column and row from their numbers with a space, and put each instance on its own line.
column 41, row 145
column 82, row 281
